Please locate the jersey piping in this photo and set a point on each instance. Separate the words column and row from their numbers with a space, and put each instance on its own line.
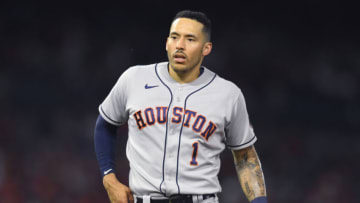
column 234, row 146
column 108, row 116
column 182, row 125
column 166, row 129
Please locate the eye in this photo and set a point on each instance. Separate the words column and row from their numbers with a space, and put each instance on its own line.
column 173, row 37
column 191, row 39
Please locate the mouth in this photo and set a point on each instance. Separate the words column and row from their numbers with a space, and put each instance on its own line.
column 179, row 57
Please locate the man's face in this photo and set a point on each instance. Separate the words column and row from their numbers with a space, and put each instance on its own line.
column 186, row 45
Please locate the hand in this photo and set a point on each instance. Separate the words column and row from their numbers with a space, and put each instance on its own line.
column 117, row 192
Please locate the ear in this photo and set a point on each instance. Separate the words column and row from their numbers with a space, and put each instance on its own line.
column 207, row 48
column 166, row 46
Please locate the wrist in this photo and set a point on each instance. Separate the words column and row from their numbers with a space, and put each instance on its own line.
column 259, row 200
column 109, row 180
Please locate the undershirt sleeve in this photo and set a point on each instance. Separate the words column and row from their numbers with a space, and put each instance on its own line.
column 104, row 141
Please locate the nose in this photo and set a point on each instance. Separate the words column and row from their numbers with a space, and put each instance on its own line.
column 180, row 44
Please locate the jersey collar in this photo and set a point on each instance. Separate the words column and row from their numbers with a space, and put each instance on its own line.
column 204, row 77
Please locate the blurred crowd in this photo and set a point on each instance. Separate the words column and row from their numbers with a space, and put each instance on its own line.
column 300, row 78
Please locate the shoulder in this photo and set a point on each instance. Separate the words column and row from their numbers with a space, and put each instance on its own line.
column 227, row 87
column 138, row 70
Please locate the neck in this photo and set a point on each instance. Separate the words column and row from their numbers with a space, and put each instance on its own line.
column 184, row 76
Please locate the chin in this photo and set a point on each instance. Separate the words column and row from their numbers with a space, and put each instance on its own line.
column 179, row 67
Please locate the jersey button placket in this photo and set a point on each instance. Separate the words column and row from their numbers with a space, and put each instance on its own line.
column 178, row 99
column 172, row 147
column 179, row 102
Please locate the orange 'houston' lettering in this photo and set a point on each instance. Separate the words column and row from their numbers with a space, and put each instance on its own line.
column 139, row 120
column 210, row 129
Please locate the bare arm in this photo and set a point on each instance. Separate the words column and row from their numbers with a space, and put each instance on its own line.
column 249, row 172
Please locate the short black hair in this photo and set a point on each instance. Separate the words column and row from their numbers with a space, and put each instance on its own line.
column 198, row 16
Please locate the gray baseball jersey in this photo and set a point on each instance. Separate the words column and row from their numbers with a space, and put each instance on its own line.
column 177, row 131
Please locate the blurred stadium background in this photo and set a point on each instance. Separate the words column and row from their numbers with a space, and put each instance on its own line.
column 298, row 65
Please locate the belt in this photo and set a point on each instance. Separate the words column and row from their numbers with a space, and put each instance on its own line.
column 176, row 199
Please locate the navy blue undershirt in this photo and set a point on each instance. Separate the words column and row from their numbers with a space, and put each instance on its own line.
column 104, row 140
column 259, row 200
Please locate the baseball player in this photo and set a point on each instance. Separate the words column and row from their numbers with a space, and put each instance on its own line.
column 180, row 117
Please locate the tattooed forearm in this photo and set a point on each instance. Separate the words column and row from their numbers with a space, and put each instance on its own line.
column 249, row 191
column 250, row 174
column 245, row 163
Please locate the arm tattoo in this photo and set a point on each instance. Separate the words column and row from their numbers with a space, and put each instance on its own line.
column 249, row 191
column 250, row 173
column 245, row 163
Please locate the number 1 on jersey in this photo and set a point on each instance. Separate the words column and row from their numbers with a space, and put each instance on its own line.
column 193, row 161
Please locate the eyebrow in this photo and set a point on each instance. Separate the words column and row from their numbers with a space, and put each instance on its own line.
column 187, row 35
